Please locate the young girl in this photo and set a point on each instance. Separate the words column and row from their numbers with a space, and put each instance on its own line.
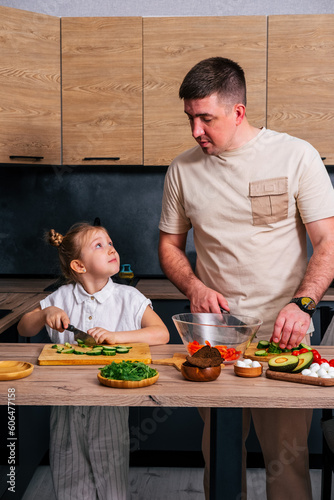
column 89, row 446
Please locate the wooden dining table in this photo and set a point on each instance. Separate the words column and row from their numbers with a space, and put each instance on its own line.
column 226, row 396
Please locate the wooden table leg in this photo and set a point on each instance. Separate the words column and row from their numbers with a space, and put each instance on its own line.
column 225, row 453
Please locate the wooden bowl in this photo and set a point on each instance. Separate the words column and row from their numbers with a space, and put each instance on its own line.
column 127, row 384
column 196, row 374
column 248, row 372
column 13, row 370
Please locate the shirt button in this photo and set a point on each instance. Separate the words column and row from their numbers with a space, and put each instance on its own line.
column 92, row 298
column 90, row 317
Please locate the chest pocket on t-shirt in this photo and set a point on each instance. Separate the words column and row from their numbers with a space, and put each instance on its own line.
column 270, row 200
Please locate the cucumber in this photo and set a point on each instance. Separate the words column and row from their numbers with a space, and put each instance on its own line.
column 108, row 352
column 68, row 351
column 262, row 352
column 55, row 347
column 109, row 348
column 68, row 345
column 78, row 352
column 97, row 352
column 122, row 350
column 263, row 344
column 60, row 350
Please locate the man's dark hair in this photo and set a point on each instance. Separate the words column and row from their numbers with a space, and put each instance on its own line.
column 215, row 75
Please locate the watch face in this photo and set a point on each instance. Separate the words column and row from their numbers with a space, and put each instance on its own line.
column 308, row 303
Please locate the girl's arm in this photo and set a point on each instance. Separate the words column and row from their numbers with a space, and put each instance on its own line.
column 152, row 332
column 32, row 322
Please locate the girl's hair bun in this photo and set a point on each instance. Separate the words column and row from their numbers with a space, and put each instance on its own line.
column 55, row 239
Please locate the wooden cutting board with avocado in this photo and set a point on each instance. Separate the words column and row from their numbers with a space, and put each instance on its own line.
column 98, row 355
column 290, row 368
column 265, row 350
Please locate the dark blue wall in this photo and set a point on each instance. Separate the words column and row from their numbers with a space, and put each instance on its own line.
column 35, row 199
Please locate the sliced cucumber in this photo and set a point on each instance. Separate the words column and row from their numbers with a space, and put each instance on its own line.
column 263, row 344
column 122, row 350
column 78, row 352
column 262, row 352
column 109, row 348
column 108, row 353
column 68, row 345
column 97, row 352
column 68, row 351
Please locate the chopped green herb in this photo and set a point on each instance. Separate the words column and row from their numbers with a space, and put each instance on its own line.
column 128, row 370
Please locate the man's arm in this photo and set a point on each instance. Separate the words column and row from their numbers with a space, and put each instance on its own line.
column 291, row 324
column 177, row 268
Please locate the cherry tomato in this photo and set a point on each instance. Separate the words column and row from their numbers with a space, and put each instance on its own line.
column 303, row 350
column 295, row 353
column 316, row 355
column 331, row 362
column 322, row 360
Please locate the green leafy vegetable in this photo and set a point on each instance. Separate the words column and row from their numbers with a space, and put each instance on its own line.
column 128, row 370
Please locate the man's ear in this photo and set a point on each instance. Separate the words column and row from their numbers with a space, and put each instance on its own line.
column 240, row 112
column 77, row 266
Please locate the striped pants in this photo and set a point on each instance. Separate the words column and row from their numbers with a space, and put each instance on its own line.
column 89, row 452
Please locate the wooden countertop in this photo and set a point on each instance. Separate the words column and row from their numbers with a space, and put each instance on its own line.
column 159, row 289
column 78, row 385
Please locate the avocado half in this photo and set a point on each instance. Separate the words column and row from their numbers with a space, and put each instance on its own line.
column 283, row 363
column 304, row 361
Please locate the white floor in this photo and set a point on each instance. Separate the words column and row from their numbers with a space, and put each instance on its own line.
column 149, row 483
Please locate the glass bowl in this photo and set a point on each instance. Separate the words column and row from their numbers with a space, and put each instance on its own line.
column 222, row 329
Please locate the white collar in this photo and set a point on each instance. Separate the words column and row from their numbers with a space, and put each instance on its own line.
column 81, row 295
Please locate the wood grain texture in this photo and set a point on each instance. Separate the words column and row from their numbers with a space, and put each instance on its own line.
column 102, row 90
column 78, row 385
column 30, row 117
column 49, row 356
column 301, row 79
column 171, row 47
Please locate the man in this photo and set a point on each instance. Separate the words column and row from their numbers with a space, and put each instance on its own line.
column 250, row 195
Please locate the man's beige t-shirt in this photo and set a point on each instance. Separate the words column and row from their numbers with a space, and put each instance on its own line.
column 248, row 208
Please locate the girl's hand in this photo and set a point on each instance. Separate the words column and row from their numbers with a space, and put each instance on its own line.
column 101, row 335
column 56, row 318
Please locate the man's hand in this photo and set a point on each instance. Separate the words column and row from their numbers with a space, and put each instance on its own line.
column 204, row 299
column 290, row 327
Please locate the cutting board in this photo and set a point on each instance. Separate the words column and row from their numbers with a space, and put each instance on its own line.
column 177, row 360
column 250, row 353
column 299, row 378
column 49, row 356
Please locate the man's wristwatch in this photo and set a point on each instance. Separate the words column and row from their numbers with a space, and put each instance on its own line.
column 306, row 304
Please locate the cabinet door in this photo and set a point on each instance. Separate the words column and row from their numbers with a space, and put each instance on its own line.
column 301, row 79
column 30, row 110
column 102, row 90
column 171, row 47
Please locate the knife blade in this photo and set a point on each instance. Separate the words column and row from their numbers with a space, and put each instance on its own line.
column 79, row 334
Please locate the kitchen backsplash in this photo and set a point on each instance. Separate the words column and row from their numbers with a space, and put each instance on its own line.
column 127, row 201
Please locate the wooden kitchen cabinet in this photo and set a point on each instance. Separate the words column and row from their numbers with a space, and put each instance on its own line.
column 171, row 47
column 30, row 111
column 301, row 79
column 102, row 90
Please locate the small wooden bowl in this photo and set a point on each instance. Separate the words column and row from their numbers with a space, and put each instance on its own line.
column 127, row 384
column 196, row 374
column 248, row 372
column 13, row 370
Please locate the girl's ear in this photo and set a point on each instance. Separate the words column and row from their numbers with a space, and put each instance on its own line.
column 77, row 266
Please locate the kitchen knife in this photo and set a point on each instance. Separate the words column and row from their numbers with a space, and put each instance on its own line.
column 79, row 334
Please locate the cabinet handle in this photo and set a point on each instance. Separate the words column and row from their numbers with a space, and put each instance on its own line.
column 26, row 157
column 113, row 158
